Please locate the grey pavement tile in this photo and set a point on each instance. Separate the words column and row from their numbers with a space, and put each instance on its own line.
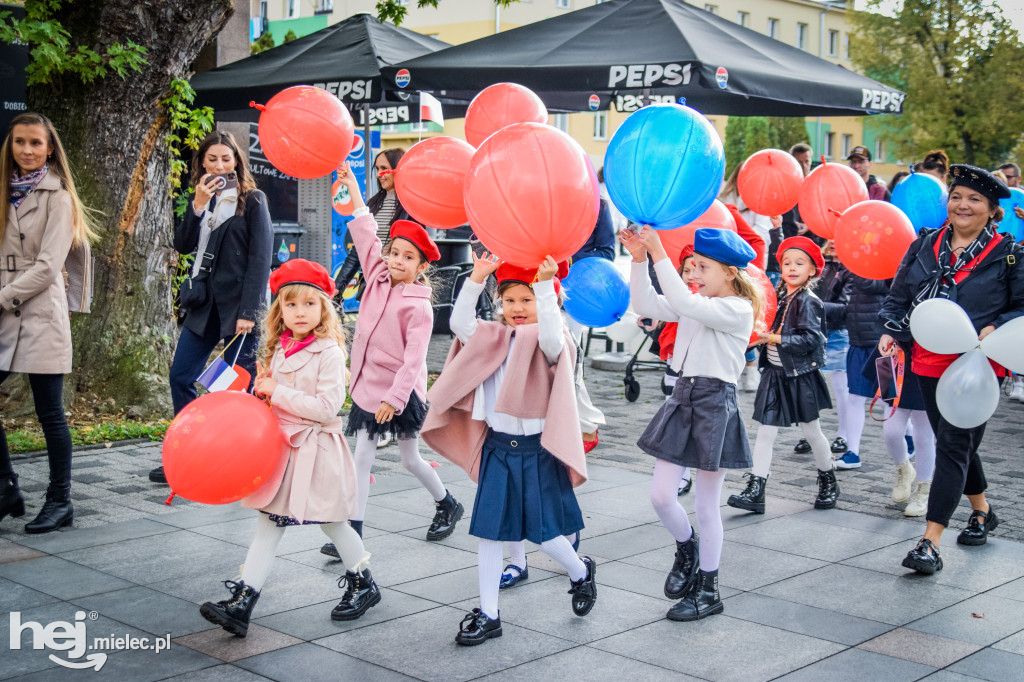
column 137, row 666
column 920, row 647
column 947, row 676
column 241, row 531
column 60, row 578
column 991, row 664
column 616, row 476
column 218, row 673
column 204, row 515
column 224, row 646
column 418, row 503
column 70, row 539
column 775, row 507
column 586, row 663
column 999, row 618
column 596, row 524
column 631, row 541
column 146, row 609
column 15, row 597
column 628, row 502
column 809, row 539
column 427, row 638
column 849, row 519
column 459, row 539
column 896, row 600
column 457, row 586
column 1014, row 644
column 383, row 485
column 312, row 663
column 394, row 521
column 642, row 580
column 855, row 665
column 17, row 551
column 803, row 619
column 314, row 621
column 762, row 653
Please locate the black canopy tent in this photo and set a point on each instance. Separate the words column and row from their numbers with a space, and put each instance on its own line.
column 627, row 53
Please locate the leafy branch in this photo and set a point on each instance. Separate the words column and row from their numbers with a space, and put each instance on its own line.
column 188, row 127
column 394, row 11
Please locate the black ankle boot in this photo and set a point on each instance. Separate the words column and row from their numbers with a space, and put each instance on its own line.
column 449, row 511
column 330, row 550
column 701, row 602
column 11, row 501
column 232, row 614
column 751, row 499
column 57, row 511
column 828, row 490
column 685, row 570
column 360, row 594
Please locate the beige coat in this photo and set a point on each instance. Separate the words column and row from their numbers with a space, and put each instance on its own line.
column 35, row 332
column 315, row 479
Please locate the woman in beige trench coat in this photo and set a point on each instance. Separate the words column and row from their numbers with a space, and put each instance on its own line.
column 42, row 222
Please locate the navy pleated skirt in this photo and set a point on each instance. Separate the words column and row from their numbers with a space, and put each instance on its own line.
column 523, row 492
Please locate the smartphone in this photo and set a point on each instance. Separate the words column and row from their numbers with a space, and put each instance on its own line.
column 224, row 181
column 885, row 369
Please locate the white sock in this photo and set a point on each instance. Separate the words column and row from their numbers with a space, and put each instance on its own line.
column 665, row 499
column 855, row 405
column 894, row 430
column 707, row 504
column 841, row 391
column 365, row 453
column 349, row 544
column 924, row 445
column 763, row 450
column 686, row 474
column 409, row 449
column 489, row 556
column 517, row 554
column 561, row 551
column 261, row 553
column 819, row 445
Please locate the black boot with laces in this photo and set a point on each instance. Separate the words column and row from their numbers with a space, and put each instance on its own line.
column 11, row 501
column 449, row 511
column 57, row 511
column 703, row 601
column 233, row 614
column 828, row 490
column 360, row 594
column 751, row 499
column 685, row 570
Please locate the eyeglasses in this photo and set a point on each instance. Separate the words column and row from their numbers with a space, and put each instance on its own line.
column 1010, row 177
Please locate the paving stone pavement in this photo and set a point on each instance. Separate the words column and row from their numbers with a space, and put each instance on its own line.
column 808, row 594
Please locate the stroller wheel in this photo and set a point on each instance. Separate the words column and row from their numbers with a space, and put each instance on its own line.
column 632, row 389
column 665, row 388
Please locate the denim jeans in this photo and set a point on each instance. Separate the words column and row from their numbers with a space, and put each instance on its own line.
column 193, row 353
column 47, row 393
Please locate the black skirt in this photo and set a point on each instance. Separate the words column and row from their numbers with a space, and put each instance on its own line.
column 699, row 426
column 784, row 400
column 402, row 426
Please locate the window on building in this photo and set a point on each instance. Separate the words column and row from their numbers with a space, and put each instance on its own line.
column 830, row 145
column 324, row 7
column 562, row 4
column 742, row 18
column 601, row 125
column 801, row 35
column 711, row 8
column 293, row 9
column 773, row 28
column 833, row 43
column 880, row 151
column 847, row 145
column 560, row 121
column 846, row 45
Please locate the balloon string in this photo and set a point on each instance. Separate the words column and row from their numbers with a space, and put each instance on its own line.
column 168, row 500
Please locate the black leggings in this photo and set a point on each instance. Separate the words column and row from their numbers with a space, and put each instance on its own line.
column 958, row 469
column 47, row 390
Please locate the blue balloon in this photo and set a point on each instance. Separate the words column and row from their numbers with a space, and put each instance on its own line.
column 1010, row 223
column 923, row 198
column 596, row 293
column 664, row 166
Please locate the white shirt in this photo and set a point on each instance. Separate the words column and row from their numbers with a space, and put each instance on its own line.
column 713, row 332
column 550, row 339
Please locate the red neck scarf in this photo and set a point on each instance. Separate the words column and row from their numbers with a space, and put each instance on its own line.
column 291, row 346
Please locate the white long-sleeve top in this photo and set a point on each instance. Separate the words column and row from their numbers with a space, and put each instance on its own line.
column 551, row 338
column 713, row 332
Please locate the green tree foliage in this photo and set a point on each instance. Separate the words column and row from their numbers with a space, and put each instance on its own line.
column 959, row 61
column 395, row 10
column 262, row 44
column 745, row 135
column 289, row 37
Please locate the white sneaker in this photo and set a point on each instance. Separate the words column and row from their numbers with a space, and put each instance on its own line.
column 750, row 379
column 905, row 474
column 1017, row 393
column 384, row 440
column 918, row 504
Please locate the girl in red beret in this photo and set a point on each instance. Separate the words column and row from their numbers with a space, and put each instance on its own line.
column 792, row 389
column 302, row 359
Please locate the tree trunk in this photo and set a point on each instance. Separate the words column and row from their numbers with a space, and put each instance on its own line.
column 113, row 132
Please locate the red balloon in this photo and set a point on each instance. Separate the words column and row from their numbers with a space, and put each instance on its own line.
column 769, row 182
column 872, row 237
column 500, row 105
column 221, row 447
column 305, row 132
column 531, row 192
column 830, row 189
column 429, row 181
column 771, row 302
column 717, row 216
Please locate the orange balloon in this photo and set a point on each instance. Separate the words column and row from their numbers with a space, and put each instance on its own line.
column 531, row 192
column 769, row 182
column 771, row 301
column 500, row 105
column 221, row 447
column 872, row 237
column 305, row 132
column 830, row 189
column 717, row 216
column 429, row 181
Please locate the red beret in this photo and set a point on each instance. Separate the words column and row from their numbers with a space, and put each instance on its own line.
column 807, row 246
column 687, row 252
column 414, row 232
column 301, row 271
column 513, row 273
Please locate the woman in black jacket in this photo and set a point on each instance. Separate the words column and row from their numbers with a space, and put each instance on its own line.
column 229, row 229
column 967, row 262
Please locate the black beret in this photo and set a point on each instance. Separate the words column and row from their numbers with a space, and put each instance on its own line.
column 978, row 179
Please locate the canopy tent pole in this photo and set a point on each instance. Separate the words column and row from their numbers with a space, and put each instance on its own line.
column 367, row 152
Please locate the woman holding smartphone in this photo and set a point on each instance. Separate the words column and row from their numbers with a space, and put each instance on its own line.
column 227, row 226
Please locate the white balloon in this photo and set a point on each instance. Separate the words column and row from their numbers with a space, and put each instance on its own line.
column 968, row 391
column 941, row 326
column 1006, row 345
column 625, row 331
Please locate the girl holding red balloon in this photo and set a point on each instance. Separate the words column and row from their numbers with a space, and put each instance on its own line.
column 303, row 363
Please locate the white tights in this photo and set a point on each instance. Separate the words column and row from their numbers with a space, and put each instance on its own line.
column 491, row 556
column 409, row 449
column 517, row 551
column 707, row 505
column 895, row 428
column 766, row 439
column 264, row 545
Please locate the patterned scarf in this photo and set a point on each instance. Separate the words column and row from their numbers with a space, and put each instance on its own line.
column 22, row 185
column 941, row 281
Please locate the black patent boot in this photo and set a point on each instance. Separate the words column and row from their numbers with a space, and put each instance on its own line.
column 701, row 602
column 751, row 499
column 449, row 511
column 685, row 570
column 57, row 511
column 360, row 594
column 828, row 490
column 232, row 614
column 330, row 550
column 11, row 501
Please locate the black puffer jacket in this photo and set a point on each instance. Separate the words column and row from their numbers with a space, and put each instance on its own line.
column 862, row 320
column 803, row 344
column 833, row 288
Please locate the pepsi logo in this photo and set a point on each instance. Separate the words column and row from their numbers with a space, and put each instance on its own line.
column 402, row 78
column 357, row 147
column 722, row 77
column 594, row 102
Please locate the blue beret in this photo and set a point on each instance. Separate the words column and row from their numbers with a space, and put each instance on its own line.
column 723, row 246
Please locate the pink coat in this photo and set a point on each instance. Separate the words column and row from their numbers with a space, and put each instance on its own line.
column 389, row 350
column 315, row 479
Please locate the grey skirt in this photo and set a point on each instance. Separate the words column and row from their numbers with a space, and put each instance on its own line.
column 699, row 426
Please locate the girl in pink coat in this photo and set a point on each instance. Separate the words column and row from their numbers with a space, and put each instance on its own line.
column 389, row 356
column 303, row 362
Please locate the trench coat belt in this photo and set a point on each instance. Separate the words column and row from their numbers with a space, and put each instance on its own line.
column 303, row 437
column 12, row 263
